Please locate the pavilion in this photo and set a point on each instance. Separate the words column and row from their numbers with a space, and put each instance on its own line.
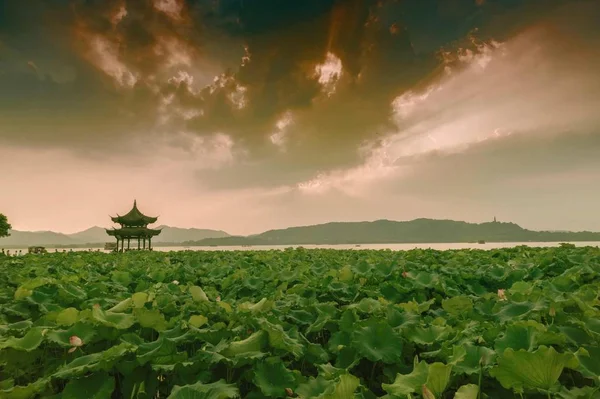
column 134, row 225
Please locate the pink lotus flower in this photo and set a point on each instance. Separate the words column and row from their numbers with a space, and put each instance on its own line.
column 501, row 295
column 405, row 274
column 218, row 298
column 75, row 342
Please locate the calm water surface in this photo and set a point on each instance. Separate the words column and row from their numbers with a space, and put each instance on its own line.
column 393, row 247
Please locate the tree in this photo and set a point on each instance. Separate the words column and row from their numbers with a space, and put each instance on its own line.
column 4, row 226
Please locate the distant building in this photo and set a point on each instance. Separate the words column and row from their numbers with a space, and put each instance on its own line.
column 134, row 226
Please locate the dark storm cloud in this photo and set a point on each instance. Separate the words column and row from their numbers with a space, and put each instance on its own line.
column 105, row 69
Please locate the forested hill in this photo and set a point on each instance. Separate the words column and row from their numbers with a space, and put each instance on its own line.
column 387, row 231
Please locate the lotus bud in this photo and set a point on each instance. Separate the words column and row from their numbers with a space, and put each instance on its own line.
column 552, row 312
column 75, row 341
column 404, row 274
column 501, row 295
column 218, row 298
column 427, row 394
column 289, row 392
column 175, row 282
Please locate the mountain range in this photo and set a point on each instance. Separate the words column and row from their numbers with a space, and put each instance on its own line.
column 97, row 235
column 376, row 232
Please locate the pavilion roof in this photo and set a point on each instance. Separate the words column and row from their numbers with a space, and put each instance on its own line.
column 134, row 218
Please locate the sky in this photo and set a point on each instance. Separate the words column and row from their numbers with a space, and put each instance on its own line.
column 249, row 115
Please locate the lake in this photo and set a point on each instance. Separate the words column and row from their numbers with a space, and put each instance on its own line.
column 393, row 247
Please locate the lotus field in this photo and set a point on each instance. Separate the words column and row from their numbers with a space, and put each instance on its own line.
column 468, row 324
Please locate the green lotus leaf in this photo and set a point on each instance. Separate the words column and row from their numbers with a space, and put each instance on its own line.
column 406, row 384
column 67, row 317
column 30, row 341
column 325, row 313
column 198, row 294
column 7, row 384
column 416, row 307
column 425, row 280
column 580, row 393
column 468, row 359
column 273, row 378
column 458, row 305
column 469, row 391
column 347, row 357
column 345, row 274
column 314, row 353
column 279, row 339
column 215, row 390
column 367, row 305
column 300, row 317
column 94, row 362
column 263, row 305
column 564, row 284
column 139, row 299
column 150, row 318
column 589, row 366
column 314, row 388
column 18, row 326
column 198, row 321
column 25, row 392
column 254, row 343
column 22, row 293
column 593, row 325
column 160, row 351
column 377, row 341
column 343, row 387
column 426, row 336
column 438, row 377
column 121, row 321
column 96, row 386
column 517, row 337
column 121, row 277
column 521, row 287
column 541, row 369
column 397, row 318
column 62, row 337
column 512, row 311
column 575, row 335
column 122, row 306
column 348, row 320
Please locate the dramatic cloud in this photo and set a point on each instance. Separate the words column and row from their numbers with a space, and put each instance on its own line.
column 303, row 102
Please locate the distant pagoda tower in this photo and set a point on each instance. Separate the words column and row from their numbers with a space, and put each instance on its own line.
column 134, row 225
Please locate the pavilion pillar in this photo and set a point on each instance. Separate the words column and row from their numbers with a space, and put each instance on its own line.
column 138, row 243
column 144, row 239
column 150, row 243
column 128, row 243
